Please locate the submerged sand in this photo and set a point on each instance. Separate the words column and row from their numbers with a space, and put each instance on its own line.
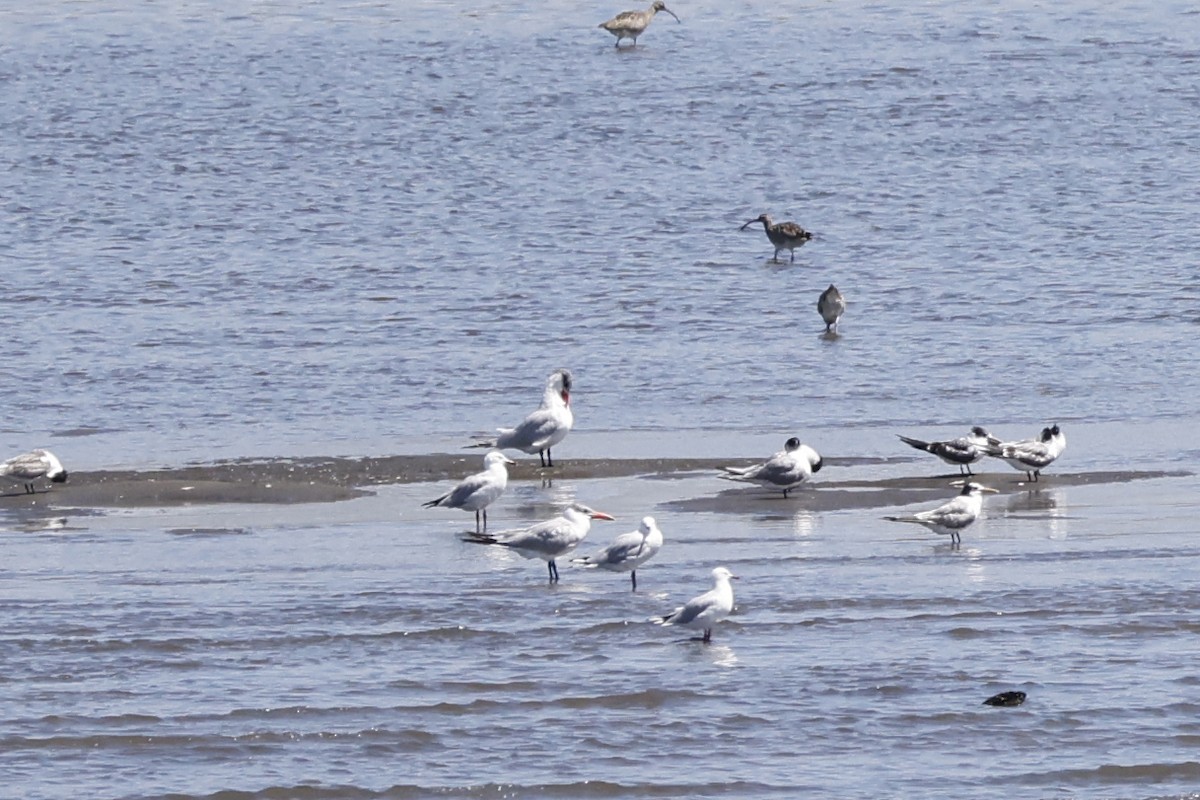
column 332, row 479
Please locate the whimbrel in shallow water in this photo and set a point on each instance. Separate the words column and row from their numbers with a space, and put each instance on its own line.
column 783, row 235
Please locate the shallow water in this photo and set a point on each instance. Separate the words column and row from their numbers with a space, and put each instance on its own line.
column 334, row 228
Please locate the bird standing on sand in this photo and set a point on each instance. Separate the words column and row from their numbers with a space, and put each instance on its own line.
column 831, row 306
column 631, row 24
column 543, row 428
column 785, row 470
column 478, row 491
column 783, row 235
column 554, row 538
column 1031, row 456
column 29, row 467
column 706, row 610
column 628, row 551
column 961, row 452
column 950, row 519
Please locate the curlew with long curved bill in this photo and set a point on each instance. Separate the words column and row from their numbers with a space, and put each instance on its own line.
column 631, row 24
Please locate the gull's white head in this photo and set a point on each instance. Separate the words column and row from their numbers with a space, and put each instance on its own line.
column 648, row 524
column 580, row 508
column 560, row 382
column 495, row 457
column 721, row 574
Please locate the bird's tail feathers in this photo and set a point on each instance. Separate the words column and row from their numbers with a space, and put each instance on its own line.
column 433, row 503
column 480, row 538
column 903, row 519
column 481, row 443
column 917, row 443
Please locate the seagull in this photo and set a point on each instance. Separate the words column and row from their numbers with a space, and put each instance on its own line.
column 28, row 467
column 961, row 452
column 478, row 491
column 628, row 551
column 554, row 538
column 1031, row 456
column 951, row 518
column 631, row 24
column 705, row 611
column 831, row 305
column 785, row 470
column 543, row 428
column 783, row 235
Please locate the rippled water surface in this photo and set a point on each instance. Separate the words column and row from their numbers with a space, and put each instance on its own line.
column 277, row 229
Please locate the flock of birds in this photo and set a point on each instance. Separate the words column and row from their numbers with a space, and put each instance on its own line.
column 784, row 471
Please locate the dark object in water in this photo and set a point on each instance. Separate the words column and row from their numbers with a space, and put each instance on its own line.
column 1007, row 699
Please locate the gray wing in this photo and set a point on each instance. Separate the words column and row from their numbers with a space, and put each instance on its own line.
column 958, row 451
column 955, row 514
column 1035, row 454
column 532, row 433
column 547, row 537
column 468, row 487
column 688, row 612
column 26, row 466
column 782, row 471
column 626, row 547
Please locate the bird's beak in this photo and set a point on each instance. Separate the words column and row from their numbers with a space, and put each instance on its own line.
column 601, row 515
column 672, row 13
column 992, row 440
column 60, row 477
column 989, row 490
column 747, row 225
column 566, row 396
column 508, row 460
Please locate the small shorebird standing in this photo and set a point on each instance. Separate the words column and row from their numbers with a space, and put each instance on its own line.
column 477, row 492
column 554, row 538
column 783, row 235
column 1031, row 456
column 631, row 24
column 950, row 519
column 961, row 452
column 544, row 427
column 785, row 470
column 28, row 467
column 628, row 551
column 831, row 305
column 706, row 610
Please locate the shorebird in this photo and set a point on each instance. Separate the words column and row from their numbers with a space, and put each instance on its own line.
column 783, row 235
column 706, row 610
column 478, row 491
column 554, row 538
column 628, row 551
column 29, row 467
column 950, row 519
column 631, row 24
column 1031, row 456
column 785, row 470
column 831, row 305
column 543, row 428
column 961, row 452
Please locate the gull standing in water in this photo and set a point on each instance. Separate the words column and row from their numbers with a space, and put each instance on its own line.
column 961, row 452
column 1031, row 456
column 554, row 538
column 543, row 428
column 785, row 470
column 628, row 551
column 706, row 610
column 478, row 491
column 951, row 518
column 631, row 24
column 831, row 306
column 29, row 467
column 783, row 235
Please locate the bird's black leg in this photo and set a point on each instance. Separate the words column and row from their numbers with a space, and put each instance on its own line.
column 785, row 491
column 553, row 568
column 793, row 255
column 633, row 578
column 542, row 457
column 707, row 635
column 549, row 458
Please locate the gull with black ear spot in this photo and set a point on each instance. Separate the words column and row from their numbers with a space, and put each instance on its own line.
column 29, row 467
column 785, row 470
column 545, row 427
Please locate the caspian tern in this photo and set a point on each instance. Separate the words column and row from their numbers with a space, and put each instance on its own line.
column 543, row 428
column 631, row 24
column 477, row 492
column 961, row 452
column 1031, row 456
column 951, row 518
column 628, row 551
column 29, row 467
column 785, row 470
column 549, row 540
column 706, row 610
